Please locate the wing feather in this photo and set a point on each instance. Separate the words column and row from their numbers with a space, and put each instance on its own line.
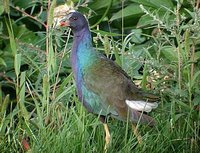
column 107, row 80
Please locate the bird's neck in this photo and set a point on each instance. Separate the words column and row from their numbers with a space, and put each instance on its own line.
column 82, row 40
column 82, row 46
column 82, row 50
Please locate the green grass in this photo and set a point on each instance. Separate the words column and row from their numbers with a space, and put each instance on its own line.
column 45, row 109
column 74, row 130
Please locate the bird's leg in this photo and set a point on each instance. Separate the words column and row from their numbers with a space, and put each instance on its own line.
column 138, row 136
column 107, row 137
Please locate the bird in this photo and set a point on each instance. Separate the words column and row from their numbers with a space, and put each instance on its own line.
column 103, row 87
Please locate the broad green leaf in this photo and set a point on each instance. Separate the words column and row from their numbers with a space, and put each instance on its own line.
column 23, row 3
column 103, row 33
column 104, row 14
column 169, row 53
column 144, row 21
column 25, row 35
column 160, row 16
column 99, row 4
column 2, row 62
column 131, row 10
column 155, row 3
column 137, row 37
column 144, row 2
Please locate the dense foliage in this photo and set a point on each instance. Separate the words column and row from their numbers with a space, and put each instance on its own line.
column 157, row 42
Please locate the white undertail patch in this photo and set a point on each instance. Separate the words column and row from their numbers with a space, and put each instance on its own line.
column 72, row 11
column 141, row 105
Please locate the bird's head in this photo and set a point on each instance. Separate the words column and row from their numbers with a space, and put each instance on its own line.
column 75, row 20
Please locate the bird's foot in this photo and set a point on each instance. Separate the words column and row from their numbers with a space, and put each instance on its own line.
column 138, row 136
column 107, row 137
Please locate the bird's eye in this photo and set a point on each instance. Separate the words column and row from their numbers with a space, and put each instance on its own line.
column 74, row 18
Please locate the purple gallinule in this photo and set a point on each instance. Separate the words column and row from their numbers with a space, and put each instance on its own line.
column 102, row 86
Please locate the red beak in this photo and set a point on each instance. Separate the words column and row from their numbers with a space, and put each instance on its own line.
column 64, row 23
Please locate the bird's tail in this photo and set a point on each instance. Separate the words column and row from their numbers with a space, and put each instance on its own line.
column 140, row 117
column 150, row 97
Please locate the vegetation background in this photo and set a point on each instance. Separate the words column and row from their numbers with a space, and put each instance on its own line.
column 157, row 42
